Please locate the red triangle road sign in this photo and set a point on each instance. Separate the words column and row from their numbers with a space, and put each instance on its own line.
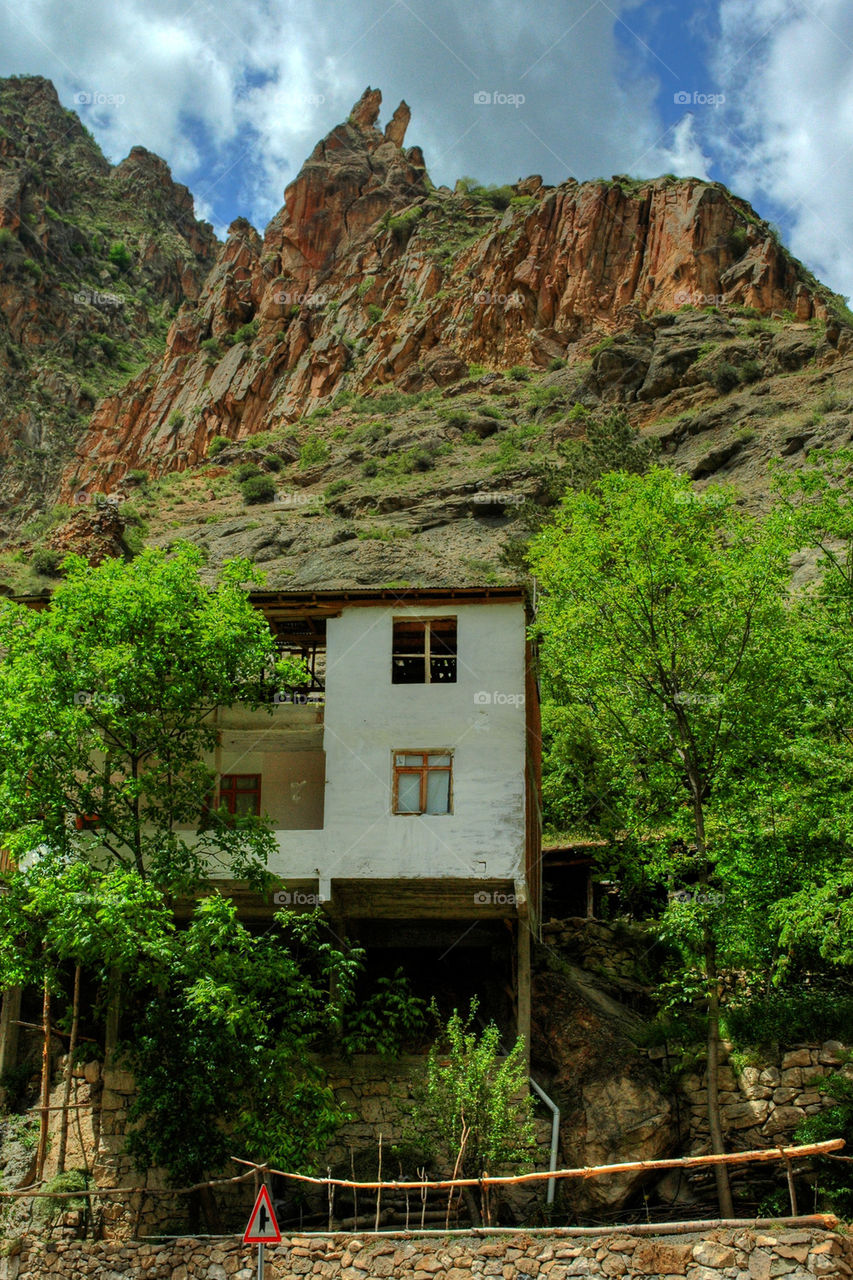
column 262, row 1228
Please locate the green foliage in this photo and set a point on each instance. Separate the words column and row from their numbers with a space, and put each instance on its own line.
column 474, row 1104
column 313, row 452
column 336, row 487
column 33, row 269
column 738, row 241
column 834, row 1189
column 245, row 471
column 793, row 1016
column 749, row 371
column 217, row 444
column 375, row 313
column 176, row 420
column 386, row 1021
column 402, row 225
column 7, row 240
column 556, row 363
column 519, row 373
column 247, row 332
column 223, row 1050
column 128, row 661
column 370, row 467
column 724, row 377
column 73, row 1180
column 15, row 1083
column 258, row 489
column 46, row 560
column 119, row 255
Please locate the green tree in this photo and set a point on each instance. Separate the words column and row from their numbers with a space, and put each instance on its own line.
column 110, row 698
column 664, row 629
column 474, row 1110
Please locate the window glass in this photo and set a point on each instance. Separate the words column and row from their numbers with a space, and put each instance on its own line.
column 409, row 793
column 438, row 791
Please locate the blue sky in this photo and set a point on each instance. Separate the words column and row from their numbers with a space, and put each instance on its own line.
column 234, row 93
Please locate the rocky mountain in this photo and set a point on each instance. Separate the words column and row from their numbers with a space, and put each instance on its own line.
column 377, row 389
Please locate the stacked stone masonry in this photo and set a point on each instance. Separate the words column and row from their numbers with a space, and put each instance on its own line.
column 737, row 1254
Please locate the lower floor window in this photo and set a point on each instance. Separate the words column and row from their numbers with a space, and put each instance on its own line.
column 422, row 782
column 240, row 793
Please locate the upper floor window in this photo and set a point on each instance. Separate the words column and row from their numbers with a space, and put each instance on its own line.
column 422, row 782
column 240, row 793
column 424, row 651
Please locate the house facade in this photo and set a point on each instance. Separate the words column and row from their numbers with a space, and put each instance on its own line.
column 402, row 781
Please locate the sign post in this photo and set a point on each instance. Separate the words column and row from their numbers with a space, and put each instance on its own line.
column 262, row 1228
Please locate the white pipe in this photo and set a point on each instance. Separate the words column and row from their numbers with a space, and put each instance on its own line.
column 555, row 1136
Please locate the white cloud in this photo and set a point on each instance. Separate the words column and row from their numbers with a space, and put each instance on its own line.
column 787, row 72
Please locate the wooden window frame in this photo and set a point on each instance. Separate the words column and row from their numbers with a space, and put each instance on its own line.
column 424, row 769
column 229, row 793
column 427, row 625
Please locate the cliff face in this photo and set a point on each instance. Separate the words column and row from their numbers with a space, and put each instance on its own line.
column 370, row 276
column 94, row 259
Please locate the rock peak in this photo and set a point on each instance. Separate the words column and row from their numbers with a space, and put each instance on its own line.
column 365, row 112
column 395, row 129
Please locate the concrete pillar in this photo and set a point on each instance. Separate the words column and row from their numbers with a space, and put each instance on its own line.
column 523, row 979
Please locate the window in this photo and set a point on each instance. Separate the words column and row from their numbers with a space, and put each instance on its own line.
column 424, row 651
column 240, row 793
column 422, row 782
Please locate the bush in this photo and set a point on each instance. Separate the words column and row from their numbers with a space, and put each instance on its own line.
column 32, row 269
column 212, row 346
column 313, row 452
column 737, row 241
column 119, row 256
column 245, row 471
column 273, row 462
column 725, row 377
column 217, row 444
column 370, row 467
column 555, row 364
column 337, row 486
column 374, row 313
column 750, row 371
column 457, row 418
column 46, row 560
column 246, row 333
column 177, row 420
column 258, row 489
column 520, row 373
column 791, row 1017
column 137, row 476
column 7, row 240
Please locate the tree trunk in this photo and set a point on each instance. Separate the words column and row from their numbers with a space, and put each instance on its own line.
column 69, row 1072
column 41, row 1154
column 721, row 1173
column 715, row 1124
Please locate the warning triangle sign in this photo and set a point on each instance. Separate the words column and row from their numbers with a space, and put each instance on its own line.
column 262, row 1228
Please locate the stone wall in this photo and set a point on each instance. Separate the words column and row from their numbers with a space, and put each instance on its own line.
column 763, row 1105
column 738, row 1254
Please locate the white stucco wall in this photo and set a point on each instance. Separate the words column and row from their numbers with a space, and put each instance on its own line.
column 367, row 719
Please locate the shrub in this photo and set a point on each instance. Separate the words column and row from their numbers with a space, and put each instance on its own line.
column 177, row 420
column 217, row 444
column 738, row 240
column 750, row 371
column 370, row 467
column 725, row 377
column 32, row 269
column 247, row 332
column 457, row 418
column 245, row 471
column 555, row 364
column 212, row 346
column 7, row 240
column 337, row 486
column 137, row 476
column 313, row 452
column 519, row 373
column 46, row 561
column 119, row 256
column 257, row 489
column 374, row 313
column 273, row 462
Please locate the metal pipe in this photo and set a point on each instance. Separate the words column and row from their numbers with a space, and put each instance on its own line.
column 555, row 1135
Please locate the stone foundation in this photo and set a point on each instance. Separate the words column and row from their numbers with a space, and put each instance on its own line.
column 733, row 1254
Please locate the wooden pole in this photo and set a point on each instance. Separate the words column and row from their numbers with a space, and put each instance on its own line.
column 69, row 1073
column 635, row 1166
column 44, row 1118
